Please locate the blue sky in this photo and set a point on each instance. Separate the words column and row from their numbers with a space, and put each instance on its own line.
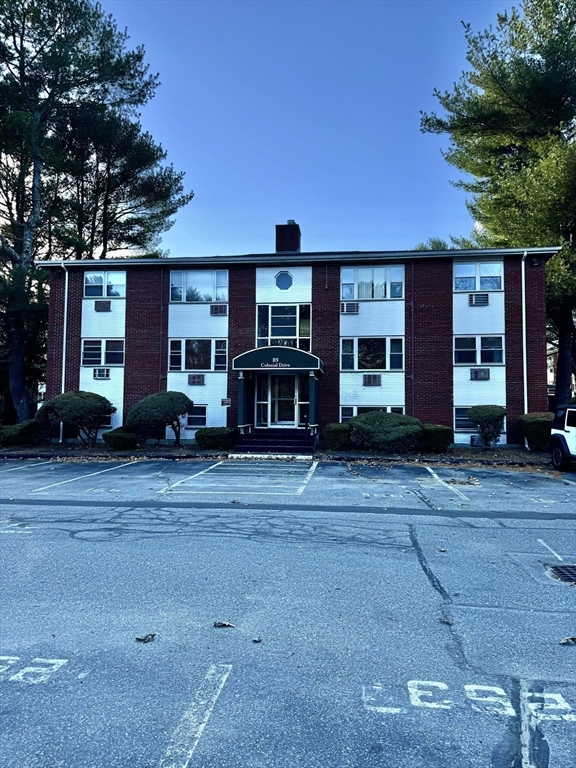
column 305, row 110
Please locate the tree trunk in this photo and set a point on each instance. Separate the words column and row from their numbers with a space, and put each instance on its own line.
column 564, row 365
column 23, row 403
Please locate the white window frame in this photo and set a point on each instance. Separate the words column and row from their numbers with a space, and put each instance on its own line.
column 478, row 350
column 355, row 345
column 391, row 275
column 104, row 363
column 218, row 349
column 182, row 280
column 470, row 428
column 107, row 284
column 476, row 274
column 203, row 416
column 354, row 408
column 303, row 342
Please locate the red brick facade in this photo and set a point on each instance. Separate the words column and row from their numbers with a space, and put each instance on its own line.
column 241, row 329
column 146, row 346
column 429, row 334
column 326, row 338
column 56, row 331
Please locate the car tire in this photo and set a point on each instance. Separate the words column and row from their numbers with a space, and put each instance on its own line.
column 558, row 458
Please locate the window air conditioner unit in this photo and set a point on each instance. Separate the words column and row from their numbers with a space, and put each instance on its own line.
column 478, row 299
column 218, row 309
column 196, row 380
column 372, row 380
column 103, row 306
column 349, row 308
column 479, row 374
column 101, row 373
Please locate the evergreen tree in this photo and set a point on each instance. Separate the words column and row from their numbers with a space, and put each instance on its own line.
column 511, row 120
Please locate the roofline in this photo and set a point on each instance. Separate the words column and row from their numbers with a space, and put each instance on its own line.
column 306, row 258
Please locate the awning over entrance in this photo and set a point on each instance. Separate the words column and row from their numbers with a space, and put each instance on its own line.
column 274, row 359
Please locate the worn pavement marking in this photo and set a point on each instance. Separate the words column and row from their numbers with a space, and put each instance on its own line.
column 81, row 477
column 168, row 488
column 450, row 487
column 187, row 734
column 550, row 549
column 307, row 479
column 26, row 466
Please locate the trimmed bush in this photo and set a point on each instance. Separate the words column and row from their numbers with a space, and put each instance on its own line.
column 120, row 440
column 216, row 438
column 536, row 429
column 385, row 432
column 489, row 420
column 26, row 433
column 163, row 409
column 338, row 436
column 83, row 411
column 436, row 438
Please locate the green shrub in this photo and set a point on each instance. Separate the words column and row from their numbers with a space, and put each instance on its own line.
column 120, row 439
column 163, row 409
column 536, row 429
column 83, row 411
column 436, row 438
column 338, row 436
column 26, row 433
column 385, row 432
column 489, row 420
column 216, row 438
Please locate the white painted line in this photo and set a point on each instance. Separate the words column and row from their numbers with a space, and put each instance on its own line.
column 550, row 549
column 232, row 492
column 81, row 477
column 26, row 466
column 570, row 482
column 168, row 488
column 187, row 734
column 446, row 485
column 307, row 479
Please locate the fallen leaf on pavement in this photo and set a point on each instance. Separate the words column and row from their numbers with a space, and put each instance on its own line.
column 568, row 641
column 224, row 624
column 147, row 638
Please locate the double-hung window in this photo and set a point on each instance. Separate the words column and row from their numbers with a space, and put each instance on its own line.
column 198, row 355
column 372, row 354
column 196, row 417
column 474, row 350
column 372, row 283
column 462, row 422
column 286, row 325
column 105, row 284
column 199, row 285
column 98, row 352
column 479, row 276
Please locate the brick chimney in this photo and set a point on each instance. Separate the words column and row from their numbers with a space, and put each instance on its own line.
column 288, row 237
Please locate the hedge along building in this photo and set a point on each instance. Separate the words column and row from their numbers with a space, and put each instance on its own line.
column 292, row 340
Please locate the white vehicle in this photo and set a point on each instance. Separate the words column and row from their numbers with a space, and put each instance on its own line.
column 563, row 437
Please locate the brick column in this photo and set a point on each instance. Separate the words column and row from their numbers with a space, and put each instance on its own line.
column 241, row 329
column 56, row 331
column 326, row 339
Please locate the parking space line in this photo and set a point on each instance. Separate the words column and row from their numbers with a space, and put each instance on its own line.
column 168, row 488
column 307, row 479
column 81, row 477
column 187, row 734
column 550, row 549
column 450, row 487
column 26, row 466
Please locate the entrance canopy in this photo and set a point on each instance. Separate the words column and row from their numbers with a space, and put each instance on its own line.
column 276, row 359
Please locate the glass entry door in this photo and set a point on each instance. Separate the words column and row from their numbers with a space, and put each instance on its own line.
column 282, row 400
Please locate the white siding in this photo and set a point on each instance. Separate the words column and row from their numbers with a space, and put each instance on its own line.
column 112, row 389
column 268, row 293
column 492, row 392
column 352, row 392
column 375, row 318
column 475, row 320
column 103, row 325
column 211, row 395
column 193, row 321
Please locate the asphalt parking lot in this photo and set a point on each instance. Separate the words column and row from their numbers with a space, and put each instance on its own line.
column 384, row 615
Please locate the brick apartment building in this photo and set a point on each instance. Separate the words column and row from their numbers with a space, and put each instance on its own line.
column 297, row 340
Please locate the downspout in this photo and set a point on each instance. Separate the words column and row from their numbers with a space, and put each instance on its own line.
column 524, row 335
column 64, row 344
